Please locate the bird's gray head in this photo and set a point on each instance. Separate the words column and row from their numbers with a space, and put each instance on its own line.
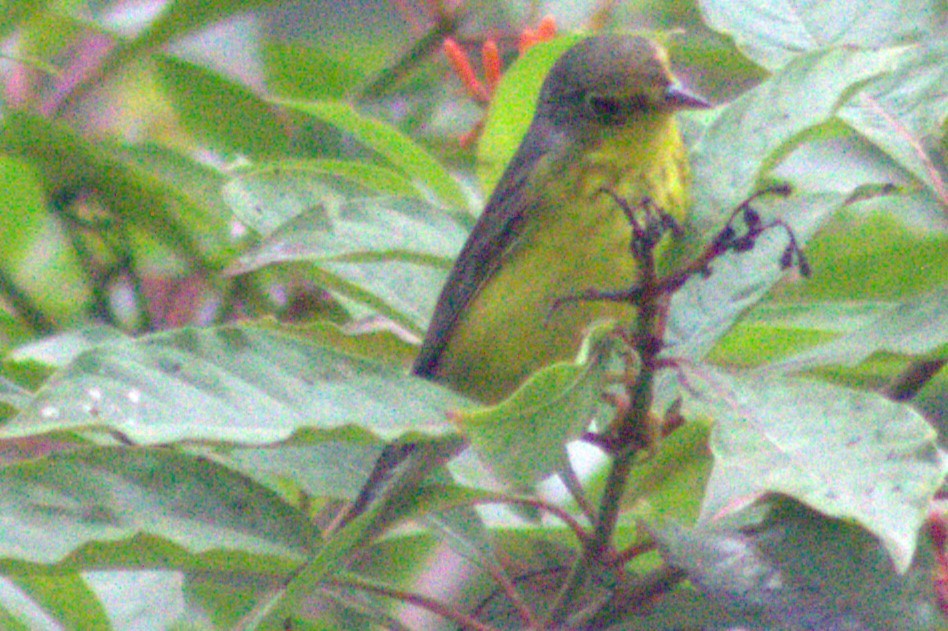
column 610, row 80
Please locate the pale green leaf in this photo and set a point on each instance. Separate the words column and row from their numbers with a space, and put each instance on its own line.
column 400, row 151
column 902, row 114
column 774, row 32
column 53, row 506
column 239, row 384
column 798, row 570
column 847, row 454
column 752, row 133
column 522, row 439
column 915, row 327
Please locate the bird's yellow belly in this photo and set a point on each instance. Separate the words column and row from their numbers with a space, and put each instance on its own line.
column 509, row 329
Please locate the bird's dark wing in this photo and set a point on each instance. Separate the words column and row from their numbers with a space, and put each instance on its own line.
column 495, row 231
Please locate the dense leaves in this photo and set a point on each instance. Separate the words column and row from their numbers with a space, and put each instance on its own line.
column 213, row 274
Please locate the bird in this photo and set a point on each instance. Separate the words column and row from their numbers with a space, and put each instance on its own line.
column 604, row 131
column 604, row 123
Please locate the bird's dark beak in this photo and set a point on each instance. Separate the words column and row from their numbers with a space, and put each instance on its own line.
column 678, row 97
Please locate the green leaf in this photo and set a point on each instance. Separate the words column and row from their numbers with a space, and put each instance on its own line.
column 847, row 454
column 775, row 330
column 33, row 251
column 522, row 439
column 402, row 152
column 53, row 506
column 413, row 502
column 295, row 71
column 323, row 467
column 705, row 309
column 66, row 597
column 915, row 327
column 670, row 483
column 404, row 292
column 902, row 113
column 684, row 607
column 799, row 570
column 376, row 340
column 239, row 384
column 197, row 188
column 763, row 125
column 270, row 196
column 871, row 256
column 139, row 197
column 58, row 350
column 220, row 111
column 773, row 33
column 389, row 254
column 371, row 229
column 225, row 598
column 311, row 575
column 734, row 156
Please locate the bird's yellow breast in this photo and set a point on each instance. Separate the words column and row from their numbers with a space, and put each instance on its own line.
column 575, row 239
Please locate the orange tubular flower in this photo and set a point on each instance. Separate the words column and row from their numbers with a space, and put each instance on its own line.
column 461, row 64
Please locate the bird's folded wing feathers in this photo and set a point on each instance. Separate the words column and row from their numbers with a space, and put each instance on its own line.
column 493, row 235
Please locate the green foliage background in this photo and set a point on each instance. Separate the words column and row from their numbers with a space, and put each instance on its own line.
column 217, row 252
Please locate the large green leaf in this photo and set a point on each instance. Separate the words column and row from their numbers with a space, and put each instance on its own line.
column 240, row 384
column 748, row 138
column 871, row 256
column 220, row 111
column 902, row 114
column 773, row 32
column 915, row 327
column 399, row 150
column 33, row 251
column 751, row 134
column 53, row 506
column 522, row 439
column 795, row 569
column 270, row 195
column 847, row 454
column 706, row 308
column 389, row 254
column 56, row 351
column 321, row 468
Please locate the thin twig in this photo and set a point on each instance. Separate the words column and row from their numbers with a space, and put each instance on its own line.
column 419, row 600
column 628, row 430
column 446, row 24
column 575, row 487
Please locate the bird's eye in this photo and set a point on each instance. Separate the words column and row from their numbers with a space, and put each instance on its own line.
column 605, row 108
